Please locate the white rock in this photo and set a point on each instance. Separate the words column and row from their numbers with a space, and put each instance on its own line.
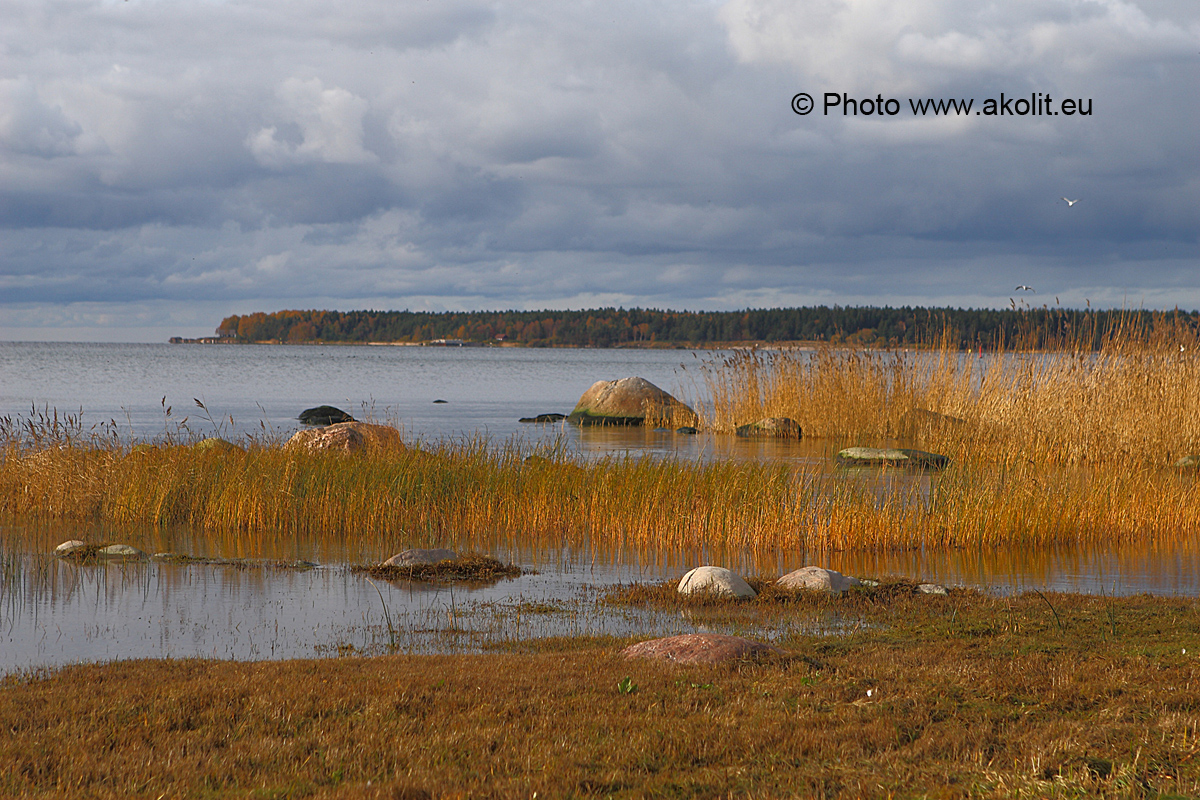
column 417, row 556
column 66, row 548
column 931, row 588
column 717, row 580
column 121, row 551
column 818, row 579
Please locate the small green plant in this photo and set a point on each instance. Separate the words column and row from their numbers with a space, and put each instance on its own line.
column 626, row 685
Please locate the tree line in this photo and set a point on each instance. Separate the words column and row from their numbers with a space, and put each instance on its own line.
column 1022, row 328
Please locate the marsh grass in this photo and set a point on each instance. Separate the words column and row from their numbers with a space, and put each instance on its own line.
column 970, row 696
column 1131, row 402
column 1073, row 448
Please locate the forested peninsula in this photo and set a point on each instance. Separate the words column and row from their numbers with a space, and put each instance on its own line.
column 1021, row 327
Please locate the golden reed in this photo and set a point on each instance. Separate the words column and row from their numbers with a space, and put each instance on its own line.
column 1048, row 449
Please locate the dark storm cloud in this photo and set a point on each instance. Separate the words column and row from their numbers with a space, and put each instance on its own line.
column 161, row 156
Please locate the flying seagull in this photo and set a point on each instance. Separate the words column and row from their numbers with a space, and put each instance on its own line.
column 1024, row 288
column 1070, row 202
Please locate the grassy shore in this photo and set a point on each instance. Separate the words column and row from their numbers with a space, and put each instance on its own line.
column 959, row 696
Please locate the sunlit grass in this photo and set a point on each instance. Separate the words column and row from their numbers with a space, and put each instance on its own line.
column 1072, row 448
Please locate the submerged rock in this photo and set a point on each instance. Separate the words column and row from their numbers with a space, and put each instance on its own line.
column 688, row 430
column 69, row 547
column 544, row 418
column 894, row 457
column 699, row 648
column 418, row 556
column 347, row 437
column 818, row 579
column 715, row 580
column 324, row 415
column 627, row 401
column 777, row 427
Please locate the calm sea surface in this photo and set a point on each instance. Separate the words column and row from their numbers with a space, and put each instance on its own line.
column 53, row 612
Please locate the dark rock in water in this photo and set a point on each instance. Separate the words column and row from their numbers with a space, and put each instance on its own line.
column 440, row 402
column 544, row 418
column 324, row 415
column 894, row 457
column 625, row 402
column 778, row 427
column 688, row 429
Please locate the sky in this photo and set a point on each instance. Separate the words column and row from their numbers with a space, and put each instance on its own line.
column 166, row 163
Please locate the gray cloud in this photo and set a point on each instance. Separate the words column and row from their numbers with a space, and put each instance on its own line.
column 157, row 158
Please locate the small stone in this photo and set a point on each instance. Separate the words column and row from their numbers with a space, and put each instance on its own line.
column 716, row 580
column 69, row 547
column 688, row 430
column 818, row 579
column 699, row 648
column 415, row 556
column 931, row 588
column 120, row 551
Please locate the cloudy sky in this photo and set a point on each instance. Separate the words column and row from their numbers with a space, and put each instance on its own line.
column 165, row 163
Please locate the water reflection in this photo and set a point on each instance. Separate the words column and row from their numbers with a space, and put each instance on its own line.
column 57, row 612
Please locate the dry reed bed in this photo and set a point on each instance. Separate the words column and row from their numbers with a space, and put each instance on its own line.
column 1047, row 449
column 1134, row 403
column 472, row 498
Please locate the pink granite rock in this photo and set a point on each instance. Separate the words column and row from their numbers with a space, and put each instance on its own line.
column 347, row 437
column 699, row 648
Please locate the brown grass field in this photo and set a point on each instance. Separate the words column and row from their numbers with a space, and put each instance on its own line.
column 971, row 696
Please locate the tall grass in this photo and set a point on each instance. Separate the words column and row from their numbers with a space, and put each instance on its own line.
column 1070, row 448
column 1134, row 402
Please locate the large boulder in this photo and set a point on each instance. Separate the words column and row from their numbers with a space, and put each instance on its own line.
column 346, row 437
column 714, row 580
column 699, row 648
column 777, row 427
column 890, row 457
column 627, row 401
column 324, row 415
column 817, row 579
column 415, row 556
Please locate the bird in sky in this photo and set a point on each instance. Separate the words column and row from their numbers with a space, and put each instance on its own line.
column 1024, row 288
column 1070, row 202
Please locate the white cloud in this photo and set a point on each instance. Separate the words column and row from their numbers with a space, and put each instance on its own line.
column 330, row 123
